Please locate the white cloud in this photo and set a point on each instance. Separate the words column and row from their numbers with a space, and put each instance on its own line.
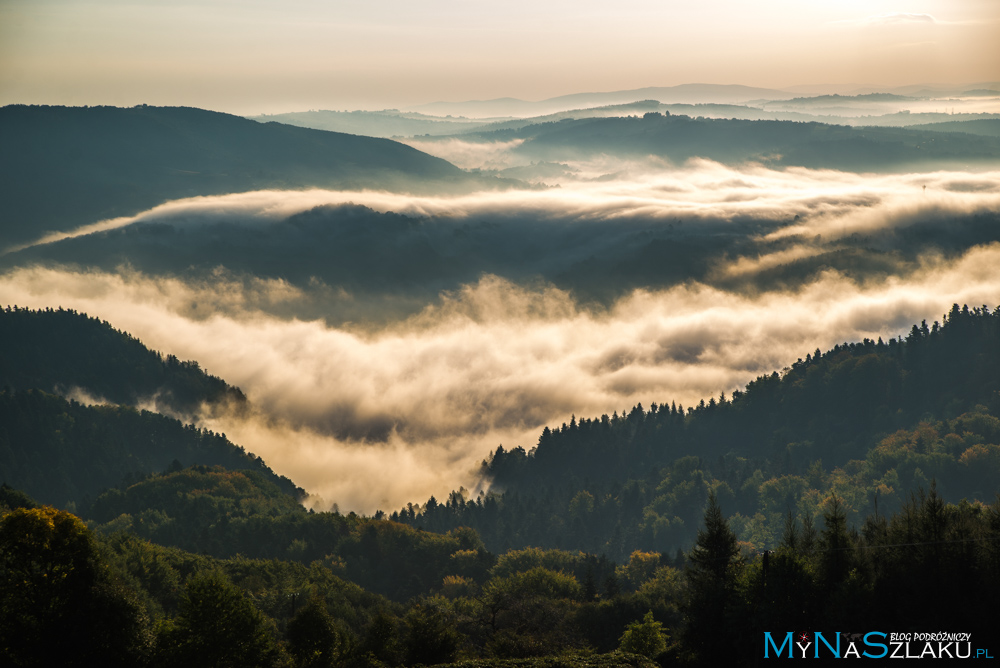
column 379, row 416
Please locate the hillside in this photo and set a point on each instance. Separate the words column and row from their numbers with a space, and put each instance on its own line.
column 62, row 451
column 828, row 465
column 872, row 422
column 387, row 123
column 225, row 513
column 62, row 167
column 776, row 143
column 62, row 351
column 989, row 127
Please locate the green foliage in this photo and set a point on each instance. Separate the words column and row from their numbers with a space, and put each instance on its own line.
column 261, row 553
column 12, row 499
column 218, row 627
column 868, row 422
column 380, row 643
column 225, row 513
column 59, row 451
column 59, row 602
column 641, row 567
column 195, row 496
column 520, row 561
column 527, row 613
column 646, row 637
column 312, row 636
column 431, row 638
column 713, row 566
column 716, row 551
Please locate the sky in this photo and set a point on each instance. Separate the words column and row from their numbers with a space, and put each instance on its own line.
column 268, row 56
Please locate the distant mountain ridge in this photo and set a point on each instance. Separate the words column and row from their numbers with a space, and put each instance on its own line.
column 684, row 93
column 783, row 143
column 62, row 167
column 386, row 123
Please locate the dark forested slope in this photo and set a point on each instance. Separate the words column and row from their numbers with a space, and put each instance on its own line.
column 870, row 421
column 59, row 450
column 58, row 350
column 830, row 405
column 61, row 167
column 778, row 143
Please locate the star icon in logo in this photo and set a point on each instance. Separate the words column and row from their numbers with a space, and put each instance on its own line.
column 804, row 637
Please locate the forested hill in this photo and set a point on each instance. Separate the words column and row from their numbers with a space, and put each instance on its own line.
column 57, row 350
column 830, row 406
column 870, row 422
column 778, row 143
column 61, row 451
column 61, row 167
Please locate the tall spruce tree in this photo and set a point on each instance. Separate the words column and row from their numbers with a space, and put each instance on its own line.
column 712, row 566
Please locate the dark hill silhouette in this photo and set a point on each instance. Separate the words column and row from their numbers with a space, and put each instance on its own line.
column 684, row 93
column 57, row 350
column 982, row 126
column 875, row 421
column 778, row 143
column 59, row 450
column 62, row 452
column 65, row 166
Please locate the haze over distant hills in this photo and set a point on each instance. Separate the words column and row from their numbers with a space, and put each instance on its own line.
column 684, row 94
column 384, row 123
column 840, row 105
column 679, row 138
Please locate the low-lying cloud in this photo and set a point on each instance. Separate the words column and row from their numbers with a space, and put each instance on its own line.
column 379, row 414
column 376, row 419
column 610, row 189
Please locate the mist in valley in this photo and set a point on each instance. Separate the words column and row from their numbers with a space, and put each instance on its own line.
column 388, row 342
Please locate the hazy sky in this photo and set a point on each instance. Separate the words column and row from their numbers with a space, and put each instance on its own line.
column 251, row 56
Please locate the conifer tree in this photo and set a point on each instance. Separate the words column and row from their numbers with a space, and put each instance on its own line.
column 711, row 569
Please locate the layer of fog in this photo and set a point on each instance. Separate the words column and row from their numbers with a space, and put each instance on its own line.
column 608, row 189
column 609, row 228
column 379, row 415
column 376, row 419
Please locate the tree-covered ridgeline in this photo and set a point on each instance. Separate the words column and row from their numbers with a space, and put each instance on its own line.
column 64, row 167
column 870, row 421
column 213, row 511
column 63, row 452
column 861, row 541
column 678, row 137
column 930, row 566
column 61, row 350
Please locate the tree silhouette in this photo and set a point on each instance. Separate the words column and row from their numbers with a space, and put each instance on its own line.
column 219, row 628
column 711, row 570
